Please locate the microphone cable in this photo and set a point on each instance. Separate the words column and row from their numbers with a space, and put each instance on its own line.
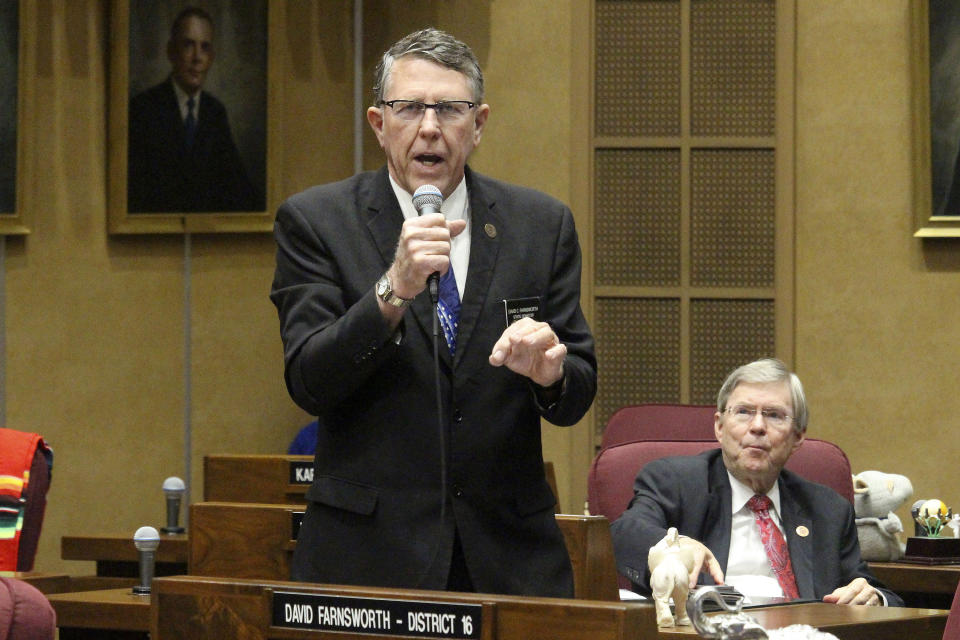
column 441, row 428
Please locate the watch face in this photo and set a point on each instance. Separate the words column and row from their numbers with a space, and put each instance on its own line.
column 383, row 287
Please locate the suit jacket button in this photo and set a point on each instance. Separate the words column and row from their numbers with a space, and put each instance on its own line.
column 457, row 417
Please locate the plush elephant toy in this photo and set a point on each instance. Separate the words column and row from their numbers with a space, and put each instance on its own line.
column 876, row 496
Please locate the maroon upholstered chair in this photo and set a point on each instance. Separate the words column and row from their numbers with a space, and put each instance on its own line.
column 25, row 613
column 610, row 482
column 659, row 422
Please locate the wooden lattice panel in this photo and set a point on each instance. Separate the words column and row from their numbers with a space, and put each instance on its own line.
column 638, row 217
column 726, row 334
column 733, row 73
column 733, row 196
column 638, row 353
column 638, row 68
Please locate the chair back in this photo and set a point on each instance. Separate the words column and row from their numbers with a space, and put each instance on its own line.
column 25, row 613
column 661, row 421
column 25, row 473
column 610, row 482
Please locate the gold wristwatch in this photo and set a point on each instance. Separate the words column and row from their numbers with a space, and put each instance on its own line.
column 385, row 292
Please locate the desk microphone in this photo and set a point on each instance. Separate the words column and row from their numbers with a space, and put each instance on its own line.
column 146, row 540
column 173, row 489
column 428, row 199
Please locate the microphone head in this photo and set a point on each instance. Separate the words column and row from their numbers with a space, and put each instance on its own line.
column 173, row 484
column 425, row 196
column 146, row 539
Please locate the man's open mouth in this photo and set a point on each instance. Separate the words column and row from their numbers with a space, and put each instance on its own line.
column 429, row 159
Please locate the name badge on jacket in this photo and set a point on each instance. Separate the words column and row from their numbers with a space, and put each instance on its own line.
column 521, row 308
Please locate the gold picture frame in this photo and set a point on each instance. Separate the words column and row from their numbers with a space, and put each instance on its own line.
column 149, row 192
column 16, row 76
column 935, row 26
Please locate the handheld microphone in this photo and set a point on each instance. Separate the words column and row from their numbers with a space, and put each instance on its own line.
column 146, row 540
column 173, row 489
column 427, row 199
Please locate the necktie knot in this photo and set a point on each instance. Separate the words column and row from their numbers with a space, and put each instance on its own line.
column 759, row 503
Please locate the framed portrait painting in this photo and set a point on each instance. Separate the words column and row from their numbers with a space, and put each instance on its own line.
column 16, row 87
column 936, row 38
column 192, row 124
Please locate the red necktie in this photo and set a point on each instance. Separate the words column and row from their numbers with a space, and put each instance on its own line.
column 774, row 545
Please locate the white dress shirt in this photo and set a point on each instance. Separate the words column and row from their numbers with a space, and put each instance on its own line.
column 748, row 568
column 456, row 207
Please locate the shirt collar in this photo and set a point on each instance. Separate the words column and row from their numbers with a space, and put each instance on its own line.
column 183, row 96
column 453, row 208
column 740, row 493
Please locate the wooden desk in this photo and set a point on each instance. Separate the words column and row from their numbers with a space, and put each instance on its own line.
column 116, row 555
column 920, row 585
column 204, row 607
column 256, row 541
column 111, row 614
column 275, row 479
column 845, row 622
column 44, row 582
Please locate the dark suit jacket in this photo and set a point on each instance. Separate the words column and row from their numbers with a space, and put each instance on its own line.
column 374, row 516
column 692, row 493
column 165, row 176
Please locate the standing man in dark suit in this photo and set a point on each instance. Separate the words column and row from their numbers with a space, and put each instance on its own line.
column 182, row 157
column 763, row 529
column 398, row 499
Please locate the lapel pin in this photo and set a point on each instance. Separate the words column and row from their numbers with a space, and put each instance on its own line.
column 490, row 230
column 802, row 531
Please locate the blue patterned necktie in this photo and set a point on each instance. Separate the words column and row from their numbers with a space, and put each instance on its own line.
column 448, row 309
column 190, row 123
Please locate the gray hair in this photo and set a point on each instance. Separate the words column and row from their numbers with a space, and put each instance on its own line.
column 765, row 371
column 436, row 46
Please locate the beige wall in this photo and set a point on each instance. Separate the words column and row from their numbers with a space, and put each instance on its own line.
column 877, row 331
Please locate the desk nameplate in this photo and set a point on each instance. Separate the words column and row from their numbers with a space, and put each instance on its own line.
column 301, row 472
column 381, row 616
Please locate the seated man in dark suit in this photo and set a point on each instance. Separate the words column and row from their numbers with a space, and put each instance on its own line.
column 764, row 530
column 182, row 157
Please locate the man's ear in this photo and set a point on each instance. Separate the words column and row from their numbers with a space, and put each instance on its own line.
column 375, row 118
column 479, row 121
column 798, row 440
column 717, row 425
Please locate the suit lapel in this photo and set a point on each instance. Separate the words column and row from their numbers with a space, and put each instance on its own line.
column 486, row 227
column 716, row 534
column 795, row 518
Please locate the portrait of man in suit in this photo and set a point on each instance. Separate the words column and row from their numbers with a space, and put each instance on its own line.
column 182, row 153
column 944, row 31
column 9, row 58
